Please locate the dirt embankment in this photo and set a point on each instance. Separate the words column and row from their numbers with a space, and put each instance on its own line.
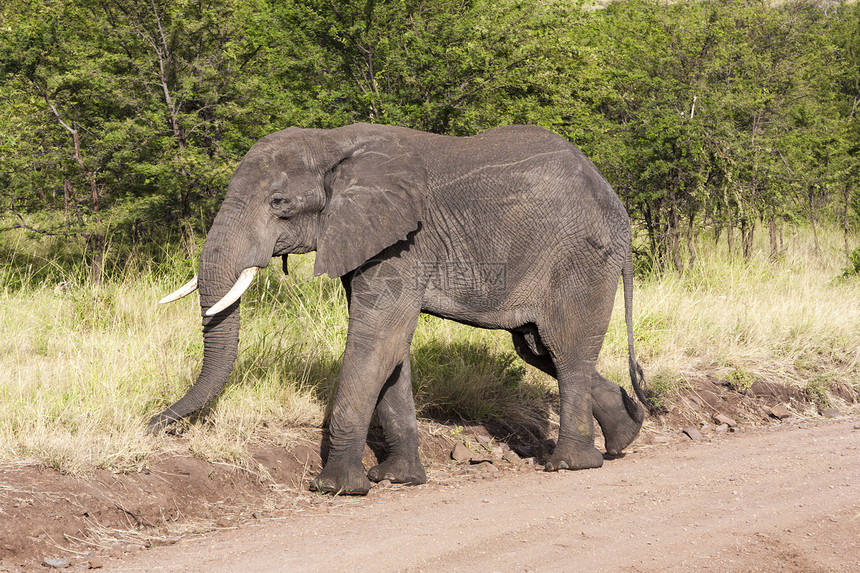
column 724, row 481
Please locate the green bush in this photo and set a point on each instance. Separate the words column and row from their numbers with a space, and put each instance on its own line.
column 853, row 268
column 740, row 380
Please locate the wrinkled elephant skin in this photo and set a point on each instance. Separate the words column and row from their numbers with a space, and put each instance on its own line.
column 511, row 229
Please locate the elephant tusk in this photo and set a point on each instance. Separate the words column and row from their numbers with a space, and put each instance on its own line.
column 242, row 284
column 182, row 291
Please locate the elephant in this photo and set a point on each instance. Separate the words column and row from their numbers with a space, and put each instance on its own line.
column 514, row 228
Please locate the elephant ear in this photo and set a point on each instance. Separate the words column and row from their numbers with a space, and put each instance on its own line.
column 375, row 199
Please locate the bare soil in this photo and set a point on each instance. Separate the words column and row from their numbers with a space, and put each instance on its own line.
column 719, row 483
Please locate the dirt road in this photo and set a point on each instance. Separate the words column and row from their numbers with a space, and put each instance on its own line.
column 775, row 499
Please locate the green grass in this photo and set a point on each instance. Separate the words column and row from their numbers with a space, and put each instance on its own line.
column 84, row 367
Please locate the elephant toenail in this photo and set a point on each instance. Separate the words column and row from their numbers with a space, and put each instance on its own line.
column 562, row 465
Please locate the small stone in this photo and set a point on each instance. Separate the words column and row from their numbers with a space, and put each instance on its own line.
column 224, row 522
column 487, row 467
column 461, row 453
column 831, row 412
column 382, row 484
column 780, row 412
column 512, row 458
column 692, row 433
column 479, row 459
column 722, row 429
column 723, row 419
column 257, row 515
column 95, row 563
column 56, row 563
column 483, row 438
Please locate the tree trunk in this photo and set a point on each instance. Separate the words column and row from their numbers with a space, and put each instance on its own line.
column 690, row 247
column 652, row 235
column 67, row 196
column 815, row 235
column 774, row 248
column 730, row 236
column 674, row 233
column 747, row 233
column 847, row 196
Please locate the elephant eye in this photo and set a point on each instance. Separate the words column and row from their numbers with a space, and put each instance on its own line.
column 279, row 200
column 282, row 206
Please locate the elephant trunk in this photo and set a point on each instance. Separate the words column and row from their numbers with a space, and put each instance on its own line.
column 220, row 344
column 220, row 331
column 220, row 348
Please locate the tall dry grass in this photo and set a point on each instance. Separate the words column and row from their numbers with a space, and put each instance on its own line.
column 794, row 320
column 83, row 367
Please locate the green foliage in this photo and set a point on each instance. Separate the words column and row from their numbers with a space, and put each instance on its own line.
column 724, row 113
column 816, row 392
column 121, row 122
column 739, row 380
column 446, row 66
column 853, row 268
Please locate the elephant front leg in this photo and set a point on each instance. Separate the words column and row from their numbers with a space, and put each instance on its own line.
column 396, row 412
column 375, row 345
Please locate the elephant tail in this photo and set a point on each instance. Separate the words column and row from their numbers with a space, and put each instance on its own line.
column 637, row 376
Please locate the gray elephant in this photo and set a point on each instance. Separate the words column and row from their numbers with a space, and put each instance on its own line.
column 511, row 229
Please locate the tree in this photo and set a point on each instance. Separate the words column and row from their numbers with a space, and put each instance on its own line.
column 718, row 113
column 148, row 100
column 449, row 66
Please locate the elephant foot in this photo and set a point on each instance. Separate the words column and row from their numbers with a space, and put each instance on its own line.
column 398, row 469
column 580, row 458
column 620, row 418
column 621, row 435
column 342, row 479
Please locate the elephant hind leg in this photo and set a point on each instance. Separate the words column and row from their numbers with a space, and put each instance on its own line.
column 396, row 412
column 620, row 418
column 572, row 325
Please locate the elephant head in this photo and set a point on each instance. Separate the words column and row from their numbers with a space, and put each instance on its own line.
column 346, row 193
